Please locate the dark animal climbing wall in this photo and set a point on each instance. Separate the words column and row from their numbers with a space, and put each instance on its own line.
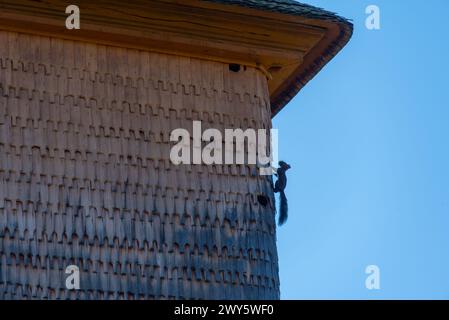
column 86, row 179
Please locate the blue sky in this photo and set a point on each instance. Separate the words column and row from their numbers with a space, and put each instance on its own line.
column 368, row 141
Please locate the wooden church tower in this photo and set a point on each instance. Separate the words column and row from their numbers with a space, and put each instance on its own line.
column 85, row 122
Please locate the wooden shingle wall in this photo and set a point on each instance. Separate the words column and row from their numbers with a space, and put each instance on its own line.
column 86, row 180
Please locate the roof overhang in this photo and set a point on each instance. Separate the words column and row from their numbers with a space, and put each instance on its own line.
column 289, row 44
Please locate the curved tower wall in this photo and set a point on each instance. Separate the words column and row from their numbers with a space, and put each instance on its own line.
column 86, row 179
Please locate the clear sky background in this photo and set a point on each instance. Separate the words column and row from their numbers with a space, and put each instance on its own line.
column 368, row 141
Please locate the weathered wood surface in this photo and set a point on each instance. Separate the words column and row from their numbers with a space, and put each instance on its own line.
column 85, row 176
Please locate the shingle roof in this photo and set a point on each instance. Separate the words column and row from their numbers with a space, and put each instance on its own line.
column 292, row 7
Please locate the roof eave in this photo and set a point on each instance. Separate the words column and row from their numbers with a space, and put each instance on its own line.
column 339, row 32
column 338, row 36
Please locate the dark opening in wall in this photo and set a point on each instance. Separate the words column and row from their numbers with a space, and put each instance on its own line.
column 234, row 67
column 263, row 200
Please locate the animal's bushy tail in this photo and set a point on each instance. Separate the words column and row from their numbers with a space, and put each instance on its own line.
column 283, row 208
